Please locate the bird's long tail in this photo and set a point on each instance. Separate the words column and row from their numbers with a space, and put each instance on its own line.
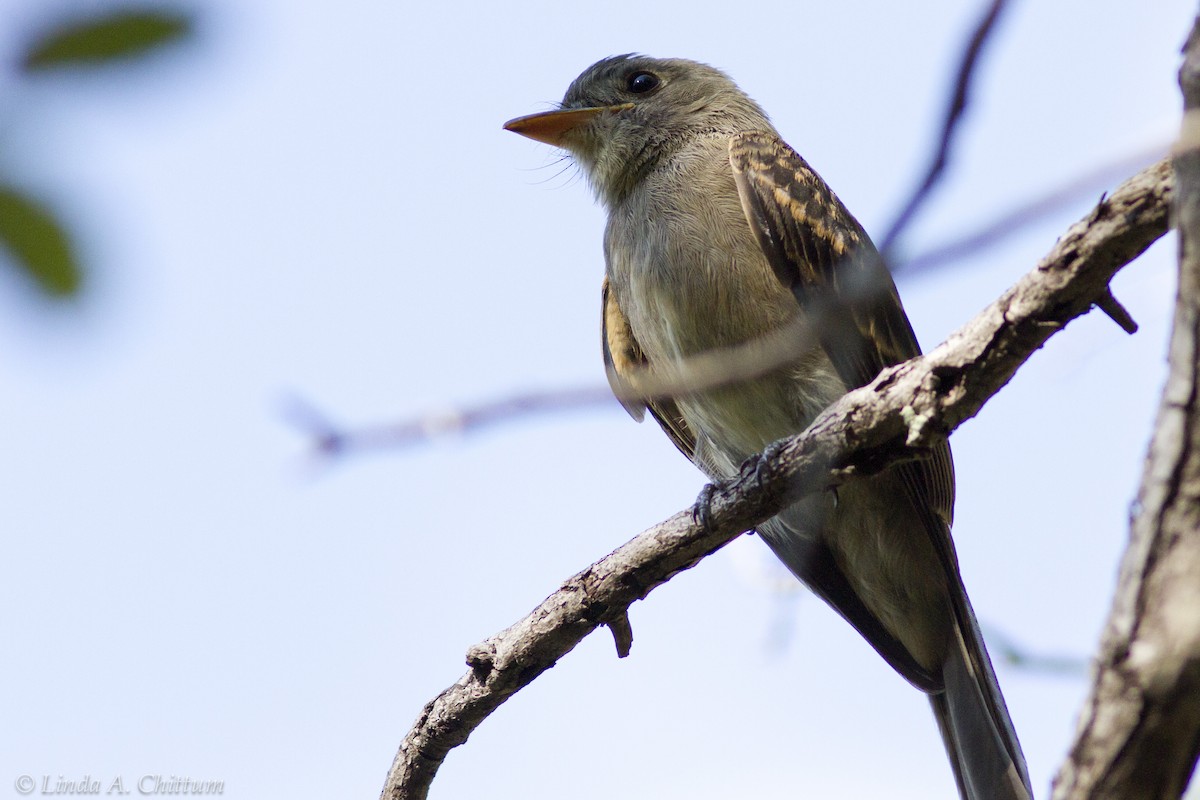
column 971, row 714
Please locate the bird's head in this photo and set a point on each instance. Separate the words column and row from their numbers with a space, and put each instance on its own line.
column 626, row 114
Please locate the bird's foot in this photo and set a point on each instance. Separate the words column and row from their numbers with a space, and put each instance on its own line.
column 702, row 510
column 750, row 468
column 761, row 465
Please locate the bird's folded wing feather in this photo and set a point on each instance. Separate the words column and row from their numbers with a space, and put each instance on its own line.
column 621, row 356
column 820, row 252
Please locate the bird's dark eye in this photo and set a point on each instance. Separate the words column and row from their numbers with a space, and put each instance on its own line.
column 642, row 82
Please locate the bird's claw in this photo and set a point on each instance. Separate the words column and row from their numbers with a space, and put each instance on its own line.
column 749, row 467
column 702, row 510
column 760, row 465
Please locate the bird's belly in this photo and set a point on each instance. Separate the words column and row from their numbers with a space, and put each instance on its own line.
column 734, row 423
column 677, row 321
column 870, row 528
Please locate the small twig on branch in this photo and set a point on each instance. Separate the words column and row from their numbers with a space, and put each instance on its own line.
column 1111, row 306
column 896, row 417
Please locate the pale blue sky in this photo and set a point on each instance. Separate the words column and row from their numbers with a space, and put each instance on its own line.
column 318, row 199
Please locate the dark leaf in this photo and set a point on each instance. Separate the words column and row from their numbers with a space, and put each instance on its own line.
column 122, row 34
column 38, row 244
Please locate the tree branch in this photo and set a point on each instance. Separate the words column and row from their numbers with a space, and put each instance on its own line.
column 1139, row 731
column 895, row 417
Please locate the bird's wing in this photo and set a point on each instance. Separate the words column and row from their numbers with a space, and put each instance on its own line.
column 820, row 252
column 621, row 355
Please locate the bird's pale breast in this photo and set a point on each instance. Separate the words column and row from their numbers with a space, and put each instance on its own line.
column 691, row 278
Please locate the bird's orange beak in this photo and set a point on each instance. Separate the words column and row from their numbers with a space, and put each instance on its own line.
column 550, row 126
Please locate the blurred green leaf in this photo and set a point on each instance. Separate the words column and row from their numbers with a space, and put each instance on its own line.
column 122, row 34
column 38, row 244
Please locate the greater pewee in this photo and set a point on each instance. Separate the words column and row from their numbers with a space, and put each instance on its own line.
column 719, row 233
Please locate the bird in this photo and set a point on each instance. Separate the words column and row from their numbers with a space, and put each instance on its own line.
column 719, row 234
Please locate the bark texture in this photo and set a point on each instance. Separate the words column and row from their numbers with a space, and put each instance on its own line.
column 1139, row 732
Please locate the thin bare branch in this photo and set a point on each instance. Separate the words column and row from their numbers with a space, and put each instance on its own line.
column 331, row 440
column 950, row 126
column 1028, row 212
column 1005, row 649
column 896, row 417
